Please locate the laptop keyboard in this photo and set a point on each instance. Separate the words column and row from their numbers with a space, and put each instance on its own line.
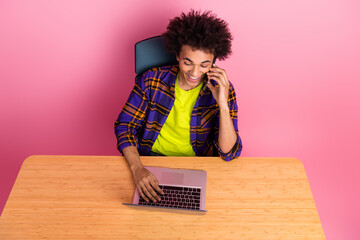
column 176, row 197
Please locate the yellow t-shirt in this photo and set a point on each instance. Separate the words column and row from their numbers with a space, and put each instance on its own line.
column 174, row 136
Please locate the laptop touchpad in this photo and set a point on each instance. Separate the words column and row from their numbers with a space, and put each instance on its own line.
column 172, row 178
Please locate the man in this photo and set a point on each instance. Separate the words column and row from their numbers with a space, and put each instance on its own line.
column 183, row 110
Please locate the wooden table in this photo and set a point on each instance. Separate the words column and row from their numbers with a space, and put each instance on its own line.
column 80, row 197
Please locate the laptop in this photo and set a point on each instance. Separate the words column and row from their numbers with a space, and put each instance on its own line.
column 184, row 189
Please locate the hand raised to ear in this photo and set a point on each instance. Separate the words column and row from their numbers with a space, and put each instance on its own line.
column 221, row 91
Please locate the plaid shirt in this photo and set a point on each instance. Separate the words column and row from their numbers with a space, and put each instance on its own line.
column 149, row 104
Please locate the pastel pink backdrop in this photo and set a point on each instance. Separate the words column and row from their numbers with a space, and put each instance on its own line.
column 67, row 67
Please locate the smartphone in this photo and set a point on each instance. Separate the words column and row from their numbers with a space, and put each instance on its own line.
column 206, row 77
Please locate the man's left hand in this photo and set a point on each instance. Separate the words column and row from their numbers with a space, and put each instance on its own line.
column 221, row 91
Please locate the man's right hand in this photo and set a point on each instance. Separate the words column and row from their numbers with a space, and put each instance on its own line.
column 144, row 180
column 147, row 184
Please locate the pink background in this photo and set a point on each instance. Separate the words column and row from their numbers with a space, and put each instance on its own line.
column 67, row 67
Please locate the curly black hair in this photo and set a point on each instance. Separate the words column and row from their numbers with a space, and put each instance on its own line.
column 203, row 31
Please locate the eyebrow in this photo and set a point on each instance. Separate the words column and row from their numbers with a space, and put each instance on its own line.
column 192, row 61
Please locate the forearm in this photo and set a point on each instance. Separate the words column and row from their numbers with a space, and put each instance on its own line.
column 131, row 155
column 227, row 134
column 144, row 180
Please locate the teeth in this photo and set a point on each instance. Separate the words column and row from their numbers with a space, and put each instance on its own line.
column 193, row 77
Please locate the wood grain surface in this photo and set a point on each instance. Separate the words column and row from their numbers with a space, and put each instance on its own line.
column 80, row 197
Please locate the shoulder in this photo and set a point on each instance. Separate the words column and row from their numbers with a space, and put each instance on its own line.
column 165, row 74
column 171, row 69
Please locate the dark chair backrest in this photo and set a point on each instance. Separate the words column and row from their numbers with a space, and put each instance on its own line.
column 151, row 52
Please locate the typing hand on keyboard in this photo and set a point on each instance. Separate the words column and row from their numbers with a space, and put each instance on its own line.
column 147, row 184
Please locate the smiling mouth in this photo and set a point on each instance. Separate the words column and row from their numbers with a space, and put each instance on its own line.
column 192, row 79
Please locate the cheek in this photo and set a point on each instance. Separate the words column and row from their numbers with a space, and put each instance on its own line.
column 184, row 69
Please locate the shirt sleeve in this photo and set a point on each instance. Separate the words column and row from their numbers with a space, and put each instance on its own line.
column 131, row 118
column 236, row 150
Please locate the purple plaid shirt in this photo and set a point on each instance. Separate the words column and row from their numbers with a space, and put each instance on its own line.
column 149, row 104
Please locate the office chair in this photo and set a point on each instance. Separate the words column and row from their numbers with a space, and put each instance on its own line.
column 151, row 52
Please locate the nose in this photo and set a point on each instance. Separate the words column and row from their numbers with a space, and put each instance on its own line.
column 195, row 71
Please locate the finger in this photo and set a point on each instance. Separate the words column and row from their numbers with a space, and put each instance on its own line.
column 221, row 71
column 142, row 194
column 216, row 68
column 215, row 74
column 155, row 184
column 147, row 193
column 211, row 87
column 220, row 82
column 220, row 76
column 152, row 191
column 215, row 78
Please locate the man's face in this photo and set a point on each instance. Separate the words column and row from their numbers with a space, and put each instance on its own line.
column 193, row 64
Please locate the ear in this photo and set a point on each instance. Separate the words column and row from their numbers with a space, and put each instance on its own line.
column 177, row 58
